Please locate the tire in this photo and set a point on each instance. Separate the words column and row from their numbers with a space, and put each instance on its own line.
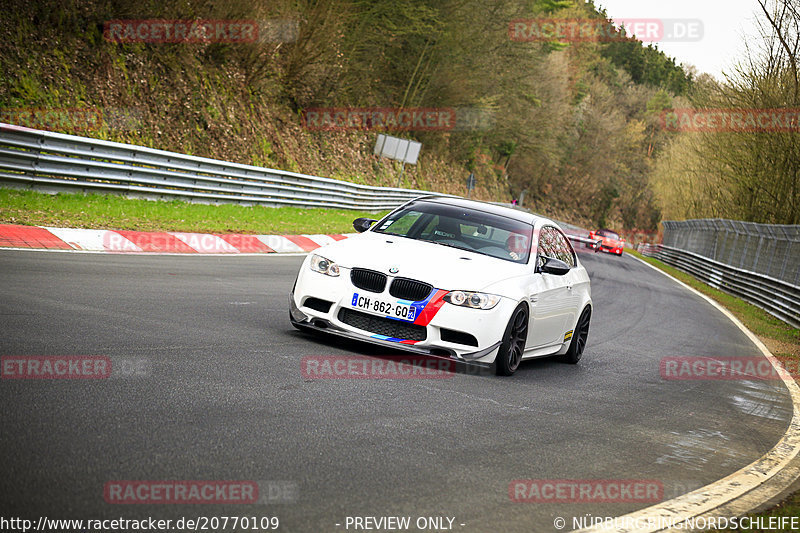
column 513, row 345
column 579, row 337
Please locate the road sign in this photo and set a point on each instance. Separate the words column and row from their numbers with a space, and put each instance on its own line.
column 395, row 148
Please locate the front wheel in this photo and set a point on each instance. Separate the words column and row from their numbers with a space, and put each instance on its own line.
column 513, row 345
column 579, row 336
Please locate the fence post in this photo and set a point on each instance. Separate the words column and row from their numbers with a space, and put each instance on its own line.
column 758, row 253
column 786, row 259
column 744, row 252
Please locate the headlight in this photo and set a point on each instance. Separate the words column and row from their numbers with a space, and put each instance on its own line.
column 475, row 300
column 324, row 266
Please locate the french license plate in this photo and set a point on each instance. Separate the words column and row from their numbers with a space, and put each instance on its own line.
column 387, row 308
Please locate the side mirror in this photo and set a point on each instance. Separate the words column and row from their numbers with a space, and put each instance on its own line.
column 549, row 265
column 363, row 224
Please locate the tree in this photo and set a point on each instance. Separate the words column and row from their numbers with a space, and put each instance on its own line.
column 752, row 176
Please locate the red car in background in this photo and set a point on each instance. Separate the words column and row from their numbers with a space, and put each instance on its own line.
column 607, row 241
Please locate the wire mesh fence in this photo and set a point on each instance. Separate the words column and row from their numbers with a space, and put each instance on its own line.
column 769, row 249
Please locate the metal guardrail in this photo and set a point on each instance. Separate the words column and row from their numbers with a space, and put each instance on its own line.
column 55, row 162
column 769, row 249
column 777, row 297
column 593, row 243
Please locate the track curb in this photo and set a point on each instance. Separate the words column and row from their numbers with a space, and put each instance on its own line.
column 161, row 242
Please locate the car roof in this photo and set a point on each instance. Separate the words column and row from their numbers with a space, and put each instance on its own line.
column 516, row 214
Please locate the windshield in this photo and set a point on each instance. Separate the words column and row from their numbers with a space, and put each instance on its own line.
column 466, row 229
column 608, row 233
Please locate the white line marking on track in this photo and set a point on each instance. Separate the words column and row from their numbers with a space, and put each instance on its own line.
column 705, row 500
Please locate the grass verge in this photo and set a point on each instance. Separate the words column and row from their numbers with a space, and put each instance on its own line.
column 780, row 338
column 120, row 213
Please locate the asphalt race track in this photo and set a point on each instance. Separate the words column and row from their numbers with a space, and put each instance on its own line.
column 218, row 395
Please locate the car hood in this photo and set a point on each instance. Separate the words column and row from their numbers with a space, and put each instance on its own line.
column 444, row 267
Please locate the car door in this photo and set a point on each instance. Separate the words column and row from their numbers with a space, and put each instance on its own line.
column 565, row 252
column 550, row 296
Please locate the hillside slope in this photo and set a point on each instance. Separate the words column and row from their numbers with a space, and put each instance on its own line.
column 563, row 125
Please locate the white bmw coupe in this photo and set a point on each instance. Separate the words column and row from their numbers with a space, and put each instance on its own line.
column 454, row 278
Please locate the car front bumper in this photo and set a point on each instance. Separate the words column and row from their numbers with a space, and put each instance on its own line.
column 611, row 249
column 486, row 327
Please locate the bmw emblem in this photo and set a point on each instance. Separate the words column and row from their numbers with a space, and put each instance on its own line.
column 394, row 270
